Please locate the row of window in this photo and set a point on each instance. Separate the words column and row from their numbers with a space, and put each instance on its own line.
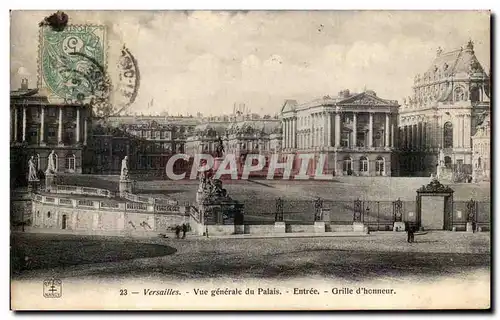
column 364, row 164
column 69, row 162
column 50, row 112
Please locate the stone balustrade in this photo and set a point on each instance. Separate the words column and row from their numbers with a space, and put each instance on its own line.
column 110, row 205
column 65, row 189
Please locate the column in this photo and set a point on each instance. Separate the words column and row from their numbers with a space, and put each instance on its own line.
column 370, row 133
column 387, row 136
column 429, row 134
column 414, row 136
column 329, row 126
column 59, row 129
column 24, row 123
column 294, row 133
column 424, row 135
column 392, row 135
column 313, row 132
column 418, row 136
column 462, row 130
column 15, row 123
column 337, row 129
column 283, row 134
column 42, row 126
column 467, row 130
column 85, row 132
column 455, row 132
column 325, row 129
column 354, row 129
column 287, row 133
column 77, row 125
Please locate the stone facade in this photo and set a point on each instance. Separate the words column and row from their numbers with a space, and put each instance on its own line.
column 447, row 103
column 481, row 149
column 357, row 132
column 39, row 126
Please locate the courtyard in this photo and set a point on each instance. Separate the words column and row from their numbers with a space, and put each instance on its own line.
column 354, row 258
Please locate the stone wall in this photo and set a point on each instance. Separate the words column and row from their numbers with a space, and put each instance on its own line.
column 97, row 220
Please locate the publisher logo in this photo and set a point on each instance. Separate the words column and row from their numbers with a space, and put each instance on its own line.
column 52, row 288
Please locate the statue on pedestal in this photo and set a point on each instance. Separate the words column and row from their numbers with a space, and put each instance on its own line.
column 441, row 157
column 219, row 149
column 32, row 171
column 51, row 163
column 124, row 171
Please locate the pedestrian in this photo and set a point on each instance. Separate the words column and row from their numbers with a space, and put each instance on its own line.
column 411, row 235
column 184, row 230
column 177, row 231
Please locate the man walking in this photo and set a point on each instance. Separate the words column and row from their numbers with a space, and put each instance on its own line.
column 184, row 230
column 177, row 231
column 411, row 234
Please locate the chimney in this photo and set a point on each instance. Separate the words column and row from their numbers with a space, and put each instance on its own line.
column 24, row 84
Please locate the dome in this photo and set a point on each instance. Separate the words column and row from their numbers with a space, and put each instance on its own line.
column 453, row 62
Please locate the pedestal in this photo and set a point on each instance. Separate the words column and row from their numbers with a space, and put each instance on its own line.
column 358, row 227
column 125, row 186
column 279, row 227
column 399, row 226
column 33, row 185
column 50, row 182
column 319, row 227
column 325, row 214
column 239, row 229
column 469, row 227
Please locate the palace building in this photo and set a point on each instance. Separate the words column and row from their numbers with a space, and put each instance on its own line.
column 39, row 126
column 356, row 132
column 241, row 135
column 448, row 102
column 481, row 150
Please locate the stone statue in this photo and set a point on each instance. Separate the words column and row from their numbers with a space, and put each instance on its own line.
column 51, row 163
column 220, row 148
column 124, row 171
column 441, row 157
column 32, row 174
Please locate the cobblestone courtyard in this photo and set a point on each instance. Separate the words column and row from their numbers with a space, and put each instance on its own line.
column 382, row 254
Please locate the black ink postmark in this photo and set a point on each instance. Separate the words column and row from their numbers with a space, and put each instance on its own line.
column 57, row 21
column 52, row 288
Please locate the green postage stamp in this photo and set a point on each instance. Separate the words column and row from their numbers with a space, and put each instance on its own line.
column 72, row 61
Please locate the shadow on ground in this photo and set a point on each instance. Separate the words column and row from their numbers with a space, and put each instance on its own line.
column 46, row 252
column 69, row 256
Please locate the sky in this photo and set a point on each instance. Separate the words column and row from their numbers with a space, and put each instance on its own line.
column 206, row 61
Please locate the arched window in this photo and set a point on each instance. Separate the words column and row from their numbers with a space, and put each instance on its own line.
column 448, row 135
column 379, row 165
column 459, row 94
column 347, row 166
column 479, row 162
column 70, row 162
column 363, row 164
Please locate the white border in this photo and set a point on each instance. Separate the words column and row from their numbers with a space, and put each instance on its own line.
column 189, row 4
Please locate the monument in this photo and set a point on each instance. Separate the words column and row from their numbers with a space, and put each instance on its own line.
column 32, row 175
column 214, row 204
column 125, row 182
column 443, row 172
column 50, row 173
column 319, row 216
